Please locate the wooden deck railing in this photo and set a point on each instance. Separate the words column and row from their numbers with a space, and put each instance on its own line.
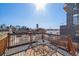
column 6, row 41
column 3, row 44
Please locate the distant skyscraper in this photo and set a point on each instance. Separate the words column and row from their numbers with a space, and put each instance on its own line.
column 37, row 26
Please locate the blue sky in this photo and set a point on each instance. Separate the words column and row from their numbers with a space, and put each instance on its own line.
column 25, row 14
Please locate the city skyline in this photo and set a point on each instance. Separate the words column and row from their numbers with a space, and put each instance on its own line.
column 26, row 14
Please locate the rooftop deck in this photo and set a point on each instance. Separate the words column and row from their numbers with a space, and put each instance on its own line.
column 8, row 46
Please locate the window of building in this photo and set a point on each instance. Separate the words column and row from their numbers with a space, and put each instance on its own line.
column 76, row 7
column 76, row 19
column 77, row 34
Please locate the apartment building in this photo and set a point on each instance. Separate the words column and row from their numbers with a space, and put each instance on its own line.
column 72, row 16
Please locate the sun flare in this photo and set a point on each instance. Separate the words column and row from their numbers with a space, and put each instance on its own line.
column 40, row 6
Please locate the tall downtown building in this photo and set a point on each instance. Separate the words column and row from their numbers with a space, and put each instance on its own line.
column 72, row 27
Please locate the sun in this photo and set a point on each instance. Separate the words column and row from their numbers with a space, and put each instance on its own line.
column 40, row 6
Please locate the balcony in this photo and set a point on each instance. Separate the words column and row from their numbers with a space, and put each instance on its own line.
column 68, row 9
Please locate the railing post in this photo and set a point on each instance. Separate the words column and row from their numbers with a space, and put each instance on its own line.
column 8, row 40
column 70, row 46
